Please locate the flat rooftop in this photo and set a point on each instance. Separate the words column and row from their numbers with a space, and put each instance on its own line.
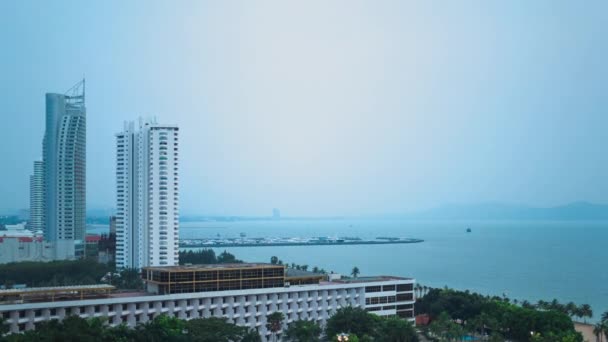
column 294, row 273
column 56, row 289
column 365, row 279
column 192, row 268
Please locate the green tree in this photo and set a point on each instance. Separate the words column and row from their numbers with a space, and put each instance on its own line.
column 161, row 328
column 418, row 290
column 274, row 260
column 445, row 328
column 274, row 321
column 355, row 272
column 586, row 312
column 4, row 327
column 351, row 338
column 227, row 258
column 202, row 256
column 251, row 336
column 572, row 309
column 129, row 278
column 303, row 331
column 394, row 329
column 598, row 331
column 70, row 329
column 215, row 329
column 53, row 273
column 527, row 305
column 353, row 321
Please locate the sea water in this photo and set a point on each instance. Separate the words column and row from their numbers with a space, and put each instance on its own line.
column 524, row 260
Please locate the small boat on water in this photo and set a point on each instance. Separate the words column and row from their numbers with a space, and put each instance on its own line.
column 468, row 230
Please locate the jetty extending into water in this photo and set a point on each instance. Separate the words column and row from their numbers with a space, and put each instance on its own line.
column 278, row 242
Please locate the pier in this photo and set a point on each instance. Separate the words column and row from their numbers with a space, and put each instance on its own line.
column 279, row 242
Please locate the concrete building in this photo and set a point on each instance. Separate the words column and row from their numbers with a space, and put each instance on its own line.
column 28, row 248
column 36, row 222
column 16, row 230
column 383, row 295
column 64, row 159
column 147, row 195
column 112, row 224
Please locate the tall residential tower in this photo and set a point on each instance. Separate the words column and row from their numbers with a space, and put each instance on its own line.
column 147, row 218
column 37, row 197
column 64, row 163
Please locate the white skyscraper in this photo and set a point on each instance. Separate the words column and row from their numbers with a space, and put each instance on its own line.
column 37, row 197
column 147, row 195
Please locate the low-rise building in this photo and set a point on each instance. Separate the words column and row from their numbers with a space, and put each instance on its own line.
column 25, row 248
column 245, row 294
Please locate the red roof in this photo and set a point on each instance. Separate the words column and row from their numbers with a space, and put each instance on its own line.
column 93, row 238
column 422, row 319
column 22, row 238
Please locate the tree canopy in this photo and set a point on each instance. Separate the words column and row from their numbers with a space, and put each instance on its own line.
column 303, row 331
column 496, row 316
column 162, row 328
column 369, row 327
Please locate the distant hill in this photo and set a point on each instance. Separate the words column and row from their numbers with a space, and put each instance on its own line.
column 499, row 211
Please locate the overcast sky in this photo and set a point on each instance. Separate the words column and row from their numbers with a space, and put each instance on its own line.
column 322, row 107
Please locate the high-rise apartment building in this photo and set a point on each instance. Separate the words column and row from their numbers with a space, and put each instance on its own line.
column 64, row 159
column 37, row 197
column 147, row 196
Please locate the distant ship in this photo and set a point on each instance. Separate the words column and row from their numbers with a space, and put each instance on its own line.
column 468, row 230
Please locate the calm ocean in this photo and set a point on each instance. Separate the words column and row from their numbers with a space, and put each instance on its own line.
column 531, row 260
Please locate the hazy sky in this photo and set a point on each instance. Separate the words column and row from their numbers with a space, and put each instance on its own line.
column 322, row 107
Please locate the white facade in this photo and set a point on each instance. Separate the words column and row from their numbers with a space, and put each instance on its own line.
column 17, row 249
column 242, row 307
column 147, row 190
column 37, row 197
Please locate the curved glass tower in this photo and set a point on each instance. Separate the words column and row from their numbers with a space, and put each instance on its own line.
column 64, row 151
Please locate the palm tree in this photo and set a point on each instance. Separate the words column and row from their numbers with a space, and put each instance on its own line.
column 598, row 330
column 274, row 321
column 355, row 272
column 418, row 289
column 605, row 317
column 572, row 309
column 586, row 311
column 425, row 289
column 542, row 304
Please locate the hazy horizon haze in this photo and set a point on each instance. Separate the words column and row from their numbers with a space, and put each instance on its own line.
column 322, row 108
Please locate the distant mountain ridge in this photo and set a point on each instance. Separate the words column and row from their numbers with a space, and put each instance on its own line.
column 501, row 211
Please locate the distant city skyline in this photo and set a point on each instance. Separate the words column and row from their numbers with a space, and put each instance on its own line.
column 396, row 107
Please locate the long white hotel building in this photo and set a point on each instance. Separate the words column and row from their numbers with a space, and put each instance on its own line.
column 244, row 294
column 147, row 195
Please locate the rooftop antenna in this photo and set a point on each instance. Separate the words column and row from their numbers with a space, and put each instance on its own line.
column 77, row 92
